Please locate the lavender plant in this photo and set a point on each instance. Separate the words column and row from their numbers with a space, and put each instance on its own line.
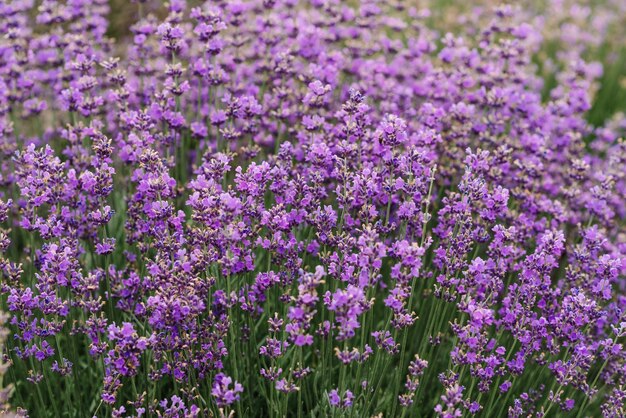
column 320, row 208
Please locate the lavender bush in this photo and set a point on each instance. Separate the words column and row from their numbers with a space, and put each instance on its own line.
column 313, row 208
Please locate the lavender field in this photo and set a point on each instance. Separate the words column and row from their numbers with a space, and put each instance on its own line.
column 312, row 208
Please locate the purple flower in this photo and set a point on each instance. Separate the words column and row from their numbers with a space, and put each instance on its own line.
column 222, row 391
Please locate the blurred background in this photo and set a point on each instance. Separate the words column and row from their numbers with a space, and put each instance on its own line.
column 597, row 26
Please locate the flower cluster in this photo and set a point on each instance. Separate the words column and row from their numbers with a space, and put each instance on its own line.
column 323, row 208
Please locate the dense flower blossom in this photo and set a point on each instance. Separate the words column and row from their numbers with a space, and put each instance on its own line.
column 323, row 208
